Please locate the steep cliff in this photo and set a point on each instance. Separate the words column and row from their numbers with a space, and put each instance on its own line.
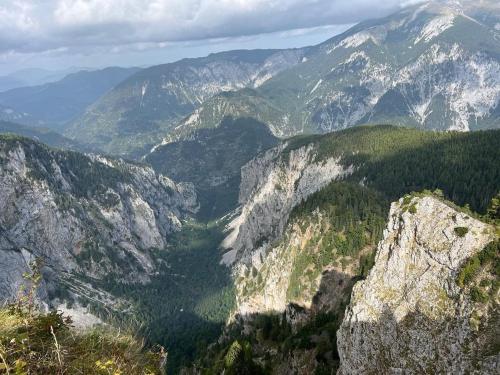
column 414, row 314
column 428, row 305
column 272, row 185
column 329, row 241
column 312, row 213
column 390, row 160
column 85, row 216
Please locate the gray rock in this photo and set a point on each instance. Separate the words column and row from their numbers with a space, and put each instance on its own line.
column 409, row 316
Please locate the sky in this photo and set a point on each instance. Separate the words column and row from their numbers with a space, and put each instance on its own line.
column 58, row 34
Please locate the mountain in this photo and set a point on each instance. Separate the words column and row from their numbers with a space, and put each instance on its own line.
column 33, row 77
column 9, row 82
column 390, row 160
column 56, row 103
column 211, row 159
column 125, row 245
column 137, row 113
column 9, row 115
column 412, row 295
column 368, row 249
column 416, row 292
column 43, row 135
column 86, row 217
column 431, row 66
column 312, row 213
column 117, row 244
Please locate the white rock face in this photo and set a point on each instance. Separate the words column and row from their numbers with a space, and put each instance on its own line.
column 267, row 290
column 409, row 316
column 412, row 68
column 46, row 213
column 271, row 187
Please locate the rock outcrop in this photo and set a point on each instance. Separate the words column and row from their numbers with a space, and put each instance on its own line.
column 410, row 316
column 272, row 185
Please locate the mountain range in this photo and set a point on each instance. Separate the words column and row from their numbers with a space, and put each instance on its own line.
column 432, row 66
column 327, row 209
column 33, row 77
column 133, row 116
column 54, row 104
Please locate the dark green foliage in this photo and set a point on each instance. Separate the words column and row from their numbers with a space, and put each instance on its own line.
column 396, row 161
column 478, row 295
column 461, row 231
column 357, row 218
column 238, row 360
column 493, row 212
column 489, row 256
column 366, row 262
column 185, row 306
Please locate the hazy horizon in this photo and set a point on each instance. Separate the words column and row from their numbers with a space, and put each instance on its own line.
column 58, row 34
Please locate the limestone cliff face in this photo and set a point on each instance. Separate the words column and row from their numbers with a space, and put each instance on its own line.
column 410, row 316
column 272, row 185
column 288, row 276
column 83, row 215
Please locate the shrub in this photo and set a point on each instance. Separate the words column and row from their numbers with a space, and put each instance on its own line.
column 461, row 231
column 490, row 255
column 478, row 295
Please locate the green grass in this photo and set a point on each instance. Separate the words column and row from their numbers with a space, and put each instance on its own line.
column 47, row 344
column 35, row 342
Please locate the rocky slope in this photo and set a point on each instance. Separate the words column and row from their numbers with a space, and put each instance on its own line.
column 410, row 315
column 85, row 216
column 270, row 188
column 428, row 305
column 311, row 267
column 278, row 180
column 432, row 66
column 137, row 113
column 313, row 211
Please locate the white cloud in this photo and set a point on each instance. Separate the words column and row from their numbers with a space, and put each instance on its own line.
column 38, row 25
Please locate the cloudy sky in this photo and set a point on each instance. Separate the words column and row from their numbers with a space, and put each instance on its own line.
column 93, row 33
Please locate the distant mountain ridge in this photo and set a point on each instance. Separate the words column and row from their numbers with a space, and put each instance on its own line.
column 137, row 113
column 44, row 135
column 56, row 103
column 432, row 66
column 33, row 77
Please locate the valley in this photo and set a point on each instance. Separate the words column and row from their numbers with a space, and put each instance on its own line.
column 330, row 209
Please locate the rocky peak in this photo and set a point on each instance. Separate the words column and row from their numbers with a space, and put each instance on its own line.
column 410, row 315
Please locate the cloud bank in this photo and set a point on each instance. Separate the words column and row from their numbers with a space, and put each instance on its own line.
column 41, row 26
